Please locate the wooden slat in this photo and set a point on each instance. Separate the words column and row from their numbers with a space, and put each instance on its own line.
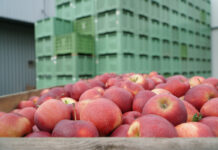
column 9, row 102
column 108, row 144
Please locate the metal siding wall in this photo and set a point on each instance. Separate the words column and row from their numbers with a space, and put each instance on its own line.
column 16, row 49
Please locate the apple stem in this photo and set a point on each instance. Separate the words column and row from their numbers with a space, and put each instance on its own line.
column 197, row 117
column 74, row 111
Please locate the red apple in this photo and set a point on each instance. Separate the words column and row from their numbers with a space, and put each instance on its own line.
column 196, row 80
column 94, row 93
column 130, row 116
column 24, row 104
column 95, row 83
column 67, row 88
column 58, row 93
column 34, row 99
column 44, row 98
column 167, row 106
column 160, row 91
column 35, row 128
column 29, row 113
column 2, row 113
column 151, row 84
column 210, row 108
column 151, row 126
column 200, row 94
column 121, row 131
column 38, row 134
column 153, row 73
column 14, row 125
column 194, row 129
column 103, row 113
column 113, row 81
column 130, row 86
column 211, row 122
column 80, row 128
column 44, row 91
column 180, row 77
column 212, row 81
column 191, row 111
column 139, row 79
column 50, row 113
column 78, row 89
column 141, row 99
column 121, row 97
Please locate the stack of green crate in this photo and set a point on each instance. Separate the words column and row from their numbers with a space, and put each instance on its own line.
column 45, row 32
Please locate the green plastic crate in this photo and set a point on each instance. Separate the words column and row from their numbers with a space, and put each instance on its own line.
column 191, row 51
column 165, row 48
column 175, row 33
column 116, row 42
column 143, row 24
column 183, row 51
column 155, row 47
column 183, row 23
column 176, row 68
column 52, row 27
column 183, row 35
column 143, row 7
column 142, row 44
column 166, row 65
column 46, row 65
column 174, row 18
column 74, row 43
column 165, row 14
column 75, row 65
column 155, row 28
column 190, row 37
column 118, row 63
column 84, row 8
column 175, row 49
column 60, row 2
column 116, row 20
column 65, row 11
column 155, row 64
column 191, row 65
column 165, row 31
column 174, row 4
column 63, row 80
column 154, row 10
column 45, row 82
column 183, row 6
column 143, row 64
column 184, row 64
column 107, row 5
column 85, row 26
column 45, row 46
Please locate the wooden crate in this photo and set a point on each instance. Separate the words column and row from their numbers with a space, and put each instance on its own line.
column 8, row 103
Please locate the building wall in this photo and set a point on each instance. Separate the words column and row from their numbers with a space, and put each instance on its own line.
column 27, row 10
column 17, row 55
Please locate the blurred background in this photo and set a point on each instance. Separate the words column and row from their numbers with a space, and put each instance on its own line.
column 45, row 43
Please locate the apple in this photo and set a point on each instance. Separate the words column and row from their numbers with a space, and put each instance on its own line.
column 29, row 113
column 68, row 100
column 58, row 93
column 151, row 84
column 44, row 92
column 167, row 106
column 181, row 77
column 14, row 125
column 121, row 131
column 160, row 91
column 121, row 97
column 34, row 99
column 130, row 86
column 38, row 134
column 94, row 93
column 210, row 108
column 35, row 128
column 95, row 83
column 103, row 113
column 2, row 113
column 191, row 111
column 139, row 79
column 79, row 128
column 196, row 80
column 67, row 88
column 24, row 104
column 141, row 99
column 50, row 113
column 153, row 73
column 44, row 98
column 194, row 129
column 211, row 122
column 212, row 81
column 151, row 126
column 78, row 89
column 113, row 81
column 200, row 94
column 130, row 116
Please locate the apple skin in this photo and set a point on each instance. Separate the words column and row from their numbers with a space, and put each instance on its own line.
column 29, row 113
column 151, row 126
column 24, row 104
column 196, row 80
column 14, row 125
column 44, row 116
column 167, row 106
column 34, row 99
column 35, row 128
column 78, row 89
column 200, row 94
column 121, row 131
column 194, row 129
column 103, row 113
column 94, row 93
column 210, row 108
column 130, row 116
column 130, row 86
column 153, row 73
column 140, row 80
column 191, row 111
column 2, row 113
column 79, row 128
column 141, row 99
column 44, row 91
column 121, row 97
column 212, row 122
column 181, row 77
column 58, row 93
column 38, row 134
column 67, row 88
column 160, row 91
column 103, row 78
column 212, row 81
column 96, row 83
column 113, row 81
column 151, row 84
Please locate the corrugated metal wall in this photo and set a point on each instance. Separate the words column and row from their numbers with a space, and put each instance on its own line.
column 16, row 56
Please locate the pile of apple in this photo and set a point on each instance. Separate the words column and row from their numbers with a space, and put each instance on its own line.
column 128, row 105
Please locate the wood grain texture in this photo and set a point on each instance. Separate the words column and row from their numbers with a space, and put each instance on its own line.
column 108, row 143
column 9, row 102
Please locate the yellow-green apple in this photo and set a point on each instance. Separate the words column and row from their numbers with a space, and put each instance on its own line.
column 103, row 113
column 151, row 126
column 68, row 100
column 130, row 116
column 160, row 91
column 167, row 106
column 121, row 97
column 50, row 113
column 212, row 122
column 200, row 94
column 196, row 80
column 141, row 99
column 194, row 129
column 191, row 111
column 79, row 128
column 210, row 108
column 78, row 89
column 29, row 113
column 93, row 93
column 14, row 125
column 38, row 134
column 139, row 79
column 121, row 131
column 212, row 81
